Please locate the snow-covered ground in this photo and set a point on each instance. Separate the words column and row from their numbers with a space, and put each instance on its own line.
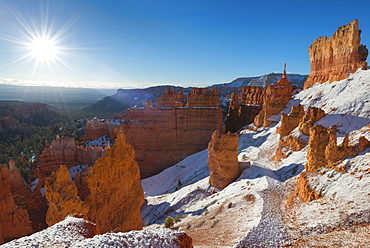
column 252, row 211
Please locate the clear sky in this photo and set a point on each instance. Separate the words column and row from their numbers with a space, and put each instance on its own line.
column 145, row 42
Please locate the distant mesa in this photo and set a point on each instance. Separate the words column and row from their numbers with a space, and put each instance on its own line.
column 334, row 58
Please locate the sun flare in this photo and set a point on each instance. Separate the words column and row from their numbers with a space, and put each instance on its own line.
column 43, row 49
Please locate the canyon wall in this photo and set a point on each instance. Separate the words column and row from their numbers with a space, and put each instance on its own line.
column 333, row 58
column 14, row 221
column 173, row 129
column 243, row 113
column 96, row 128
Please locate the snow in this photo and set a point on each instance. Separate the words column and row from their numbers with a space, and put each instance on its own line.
column 101, row 141
column 72, row 232
column 33, row 184
column 77, row 169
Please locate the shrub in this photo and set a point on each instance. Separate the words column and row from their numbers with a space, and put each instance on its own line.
column 169, row 222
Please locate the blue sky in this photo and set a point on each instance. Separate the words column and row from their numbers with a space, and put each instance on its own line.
column 139, row 43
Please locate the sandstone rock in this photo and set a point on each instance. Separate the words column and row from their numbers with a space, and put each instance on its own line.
column 233, row 114
column 171, row 99
column 316, row 157
column 116, row 194
column 335, row 153
column 20, row 190
column 335, row 57
column 61, row 194
column 163, row 136
column 363, row 143
column 96, row 128
column 276, row 97
column 289, row 122
column 244, row 113
column 289, row 142
column 14, row 221
column 82, row 185
column 61, row 151
column 303, row 190
column 223, row 159
column 311, row 116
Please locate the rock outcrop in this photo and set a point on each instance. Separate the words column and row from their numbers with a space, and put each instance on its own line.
column 14, row 221
column 311, row 116
column 223, row 159
column 61, row 151
column 116, row 194
column 335, row 153
column 276, row 97
column 242, row 114
column 303, row 190
column 319, row 139
column 289, row 142
column 61, row 194
column 20, row 190
column 172, row 130
column 333, row 58
column 96, row 128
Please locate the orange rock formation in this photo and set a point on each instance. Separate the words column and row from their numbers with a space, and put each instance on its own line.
column 164, row 135
column 311, row 116
column 223, row 159
column 287, row 124
column 335, row 57
column 14, row 221
column 276, row 97
column 242, row 114
column 20, row 190
column 61, row 151
column 116, row 194
column 61, row 194
column 303, row 189
column 96, row 128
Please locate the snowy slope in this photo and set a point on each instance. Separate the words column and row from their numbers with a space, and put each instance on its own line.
column 252, row 210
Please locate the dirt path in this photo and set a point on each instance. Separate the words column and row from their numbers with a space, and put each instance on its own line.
column 270, row 232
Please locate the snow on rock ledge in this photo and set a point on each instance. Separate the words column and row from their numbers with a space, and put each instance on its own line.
column 78, row 232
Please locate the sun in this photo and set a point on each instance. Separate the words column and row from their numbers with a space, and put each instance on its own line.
column 43, row 49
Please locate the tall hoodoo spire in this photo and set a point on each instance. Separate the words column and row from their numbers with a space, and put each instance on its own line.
column 284, row 75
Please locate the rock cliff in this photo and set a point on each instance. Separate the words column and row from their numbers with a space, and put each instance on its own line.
column 276, row 97
column 239, row 115
column 61, row 194
column 116, row 194
column 333, row 58
column 14, row 221
column 61, row 151
column 164, row 135
column 96, row 128
column 223, row 159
